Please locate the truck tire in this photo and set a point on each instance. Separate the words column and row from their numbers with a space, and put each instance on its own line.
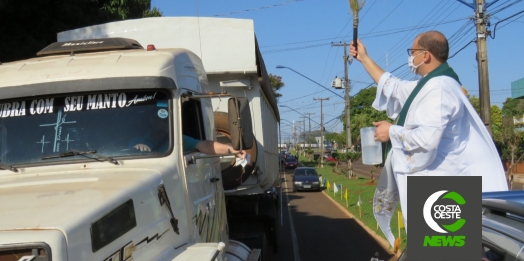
column 237, row 251
column 233, row 176
column 260, row 241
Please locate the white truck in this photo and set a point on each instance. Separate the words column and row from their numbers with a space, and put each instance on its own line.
column 72, row 184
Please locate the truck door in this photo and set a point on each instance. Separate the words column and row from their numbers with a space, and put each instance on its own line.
column 203, row 177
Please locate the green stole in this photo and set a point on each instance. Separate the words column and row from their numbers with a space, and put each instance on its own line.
column 441, row 70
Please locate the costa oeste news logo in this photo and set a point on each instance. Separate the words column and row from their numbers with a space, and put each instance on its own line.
column 444, row 217
column 435, row 213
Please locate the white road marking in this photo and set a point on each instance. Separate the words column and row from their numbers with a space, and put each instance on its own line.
column 292, row 227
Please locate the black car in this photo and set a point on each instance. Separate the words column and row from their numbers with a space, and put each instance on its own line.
column 305, row 178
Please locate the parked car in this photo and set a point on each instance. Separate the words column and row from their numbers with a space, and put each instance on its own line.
column 328, row 157
column 502, row 226
column 305, row 178
column 291, row 162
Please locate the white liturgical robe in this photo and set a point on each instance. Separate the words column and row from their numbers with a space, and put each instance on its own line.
column 442, row 136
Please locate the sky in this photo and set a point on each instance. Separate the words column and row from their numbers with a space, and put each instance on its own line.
column 300, row 34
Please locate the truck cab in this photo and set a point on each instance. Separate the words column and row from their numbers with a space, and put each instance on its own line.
column 73, row 184
column 92, row 158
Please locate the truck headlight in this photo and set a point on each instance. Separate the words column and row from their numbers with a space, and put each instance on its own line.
column 298, row 183
column 315, row 182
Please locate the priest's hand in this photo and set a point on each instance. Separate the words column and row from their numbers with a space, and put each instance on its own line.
column 382, row 131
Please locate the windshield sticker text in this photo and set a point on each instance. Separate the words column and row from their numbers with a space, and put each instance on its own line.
column 14, row 109
column 58, row 131
column 106, row 101
column 141, row 99
column 75, row 103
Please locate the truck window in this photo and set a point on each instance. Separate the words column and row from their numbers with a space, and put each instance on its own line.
column 110, row 123
column 192, row 119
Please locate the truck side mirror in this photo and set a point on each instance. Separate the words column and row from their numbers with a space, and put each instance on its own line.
column 240, row 126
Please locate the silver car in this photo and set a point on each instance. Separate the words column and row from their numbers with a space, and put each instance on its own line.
column 502, row 226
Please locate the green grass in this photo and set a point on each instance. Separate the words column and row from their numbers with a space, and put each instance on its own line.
column 360, row 186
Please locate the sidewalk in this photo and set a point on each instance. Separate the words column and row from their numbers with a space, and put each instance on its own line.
column 518, row 181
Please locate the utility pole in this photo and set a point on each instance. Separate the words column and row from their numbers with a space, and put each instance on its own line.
column 346, row 95
column 304, row 134
column 309, row 132
column 294, row 135
column 481, row 19
column 482, row 60
column 321, row 131
column 298, row 136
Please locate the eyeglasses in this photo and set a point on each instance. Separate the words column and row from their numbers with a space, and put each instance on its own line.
column 410, row 51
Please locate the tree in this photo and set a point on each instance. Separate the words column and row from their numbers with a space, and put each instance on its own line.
column 510, row 139
column 496, row 118
column 347, row 157
column 276, row 83
column 154, row 12
column 129, row 9
column 362, row 114
column 339, row 138
column 33, row 25
column 309, row 153
column 496, row 121
column 475, row 102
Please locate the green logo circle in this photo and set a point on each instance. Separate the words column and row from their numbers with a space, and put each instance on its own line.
column 444, row 211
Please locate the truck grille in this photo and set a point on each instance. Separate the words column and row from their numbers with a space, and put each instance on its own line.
column 32, row 251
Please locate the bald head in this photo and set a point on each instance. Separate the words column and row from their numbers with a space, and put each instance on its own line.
column 436, row 43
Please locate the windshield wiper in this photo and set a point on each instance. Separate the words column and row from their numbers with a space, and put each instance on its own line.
column 8, row 167
column 72, row 153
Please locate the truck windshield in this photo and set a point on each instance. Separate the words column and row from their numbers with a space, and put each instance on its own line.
column 111, row 124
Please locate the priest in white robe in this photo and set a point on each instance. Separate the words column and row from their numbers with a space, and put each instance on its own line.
column 436, row 130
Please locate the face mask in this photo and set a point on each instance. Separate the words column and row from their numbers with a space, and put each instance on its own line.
column 413, row 67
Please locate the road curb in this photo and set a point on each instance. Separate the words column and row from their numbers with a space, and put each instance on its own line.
column 383, row 242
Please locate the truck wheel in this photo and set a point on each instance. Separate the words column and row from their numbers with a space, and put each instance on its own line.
column 233, row 176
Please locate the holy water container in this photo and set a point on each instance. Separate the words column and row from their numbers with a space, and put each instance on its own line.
column 371, row 149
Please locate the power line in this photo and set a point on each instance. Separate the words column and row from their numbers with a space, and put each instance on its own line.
column 459, row 40
column 505, row 7
column 396, row 51
column 495, row 27
column 362, row 36
column 259, row 8
column 380, row 23
column 295, row 48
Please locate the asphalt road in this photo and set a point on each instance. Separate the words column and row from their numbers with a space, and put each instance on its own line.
column 314, row 228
